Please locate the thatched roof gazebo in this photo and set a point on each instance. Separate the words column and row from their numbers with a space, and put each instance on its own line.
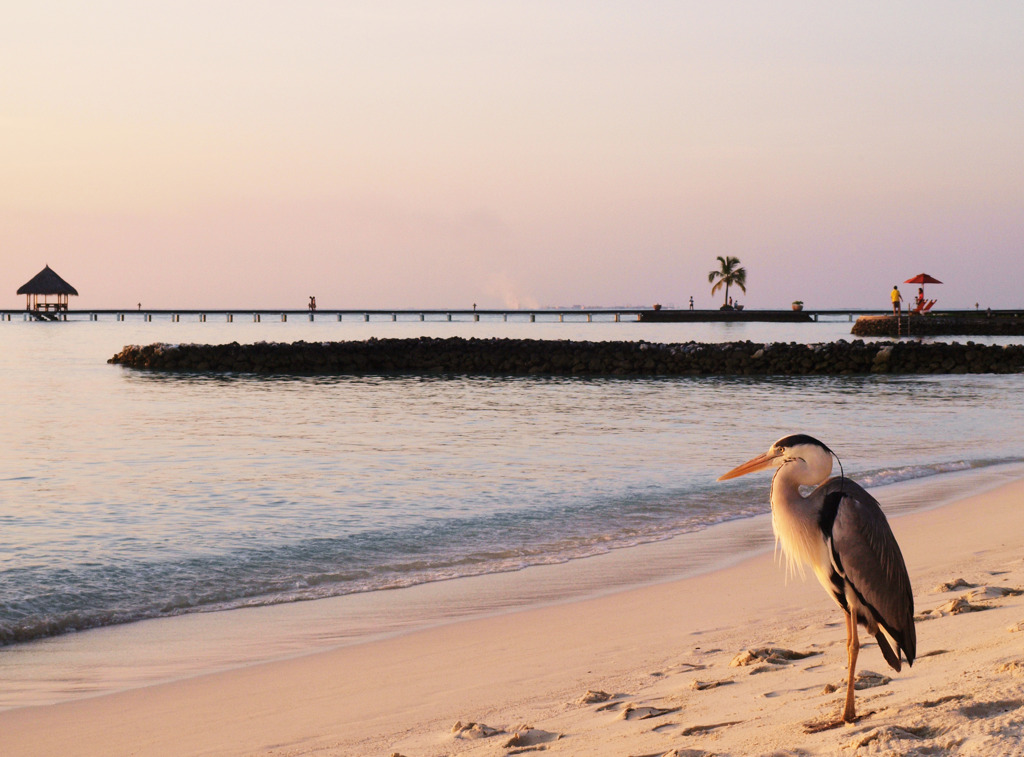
column 44, row 284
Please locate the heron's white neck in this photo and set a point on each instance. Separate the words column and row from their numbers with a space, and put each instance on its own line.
column 795, row 518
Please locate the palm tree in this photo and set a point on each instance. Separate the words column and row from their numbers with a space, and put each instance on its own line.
column 730, row 273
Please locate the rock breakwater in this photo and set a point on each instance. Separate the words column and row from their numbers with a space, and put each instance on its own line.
column 456, row 355
column 939, row 325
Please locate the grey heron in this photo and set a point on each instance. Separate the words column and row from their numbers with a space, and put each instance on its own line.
column 841, row 533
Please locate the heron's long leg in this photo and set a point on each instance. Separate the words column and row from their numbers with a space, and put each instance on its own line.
column 852, row 649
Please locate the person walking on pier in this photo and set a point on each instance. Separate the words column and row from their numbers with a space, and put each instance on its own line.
column 897, row 298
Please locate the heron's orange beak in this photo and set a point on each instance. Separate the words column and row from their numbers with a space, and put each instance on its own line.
column 760, row 462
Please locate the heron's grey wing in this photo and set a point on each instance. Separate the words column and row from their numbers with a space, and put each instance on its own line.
column 873, row 564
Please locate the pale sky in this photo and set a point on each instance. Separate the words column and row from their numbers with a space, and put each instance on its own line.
column 205, row 153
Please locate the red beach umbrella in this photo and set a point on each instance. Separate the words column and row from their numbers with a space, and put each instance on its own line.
column 923, row 278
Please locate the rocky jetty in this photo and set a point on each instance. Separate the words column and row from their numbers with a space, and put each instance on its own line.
column 517, row 357
column 940, row 325
column 728, row 315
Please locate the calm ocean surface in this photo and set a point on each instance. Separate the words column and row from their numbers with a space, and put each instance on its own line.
column 128, row 495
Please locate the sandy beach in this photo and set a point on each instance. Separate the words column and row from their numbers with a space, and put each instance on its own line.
column 695, row 666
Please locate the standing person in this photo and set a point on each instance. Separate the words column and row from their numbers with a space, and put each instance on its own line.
column 691, row 302
column 896, row 298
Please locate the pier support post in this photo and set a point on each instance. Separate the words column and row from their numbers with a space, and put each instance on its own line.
column 231, row 317
column 449, row 316
column 421, row 317
column 339, row 317
column 533, row 317
column 312, row 317
column 616, row 317
column 476, row 316
column 284, row 317
column 590, row 317
column 255, row 317
column 366, row 317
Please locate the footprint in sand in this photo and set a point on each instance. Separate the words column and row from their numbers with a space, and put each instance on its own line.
column 943, row 700
column 688, row 667
column 528, row 736
column 993, row 592
column 594, row 697
column 705, row 685
column 891, row 736
column 695, row 729
column 1014, row 668
column 964, row 604
column 991, row 709
column 474, row 731
column 764, row 656
column 956, row 606
column 957, row 583
column 633, row 712
column 866, row 679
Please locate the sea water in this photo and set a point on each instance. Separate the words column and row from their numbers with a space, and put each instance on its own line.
column 129, row 495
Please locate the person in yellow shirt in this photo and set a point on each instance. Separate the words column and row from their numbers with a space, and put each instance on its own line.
column 897, row 298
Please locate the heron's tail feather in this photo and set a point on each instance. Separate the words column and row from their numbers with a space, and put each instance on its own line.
column 891, row 657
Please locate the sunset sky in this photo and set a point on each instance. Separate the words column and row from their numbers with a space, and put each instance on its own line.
column 436, row 154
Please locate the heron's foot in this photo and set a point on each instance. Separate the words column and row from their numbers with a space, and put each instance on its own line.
column 817, row 726
column 827, row 724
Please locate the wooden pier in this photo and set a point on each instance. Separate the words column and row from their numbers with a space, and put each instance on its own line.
column 542, row 315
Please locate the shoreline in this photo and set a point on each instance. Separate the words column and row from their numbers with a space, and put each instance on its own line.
column 163, row 650
column 529, row 660
column 156, row 651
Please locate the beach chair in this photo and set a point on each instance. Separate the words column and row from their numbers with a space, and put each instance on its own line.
column 925, row 307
